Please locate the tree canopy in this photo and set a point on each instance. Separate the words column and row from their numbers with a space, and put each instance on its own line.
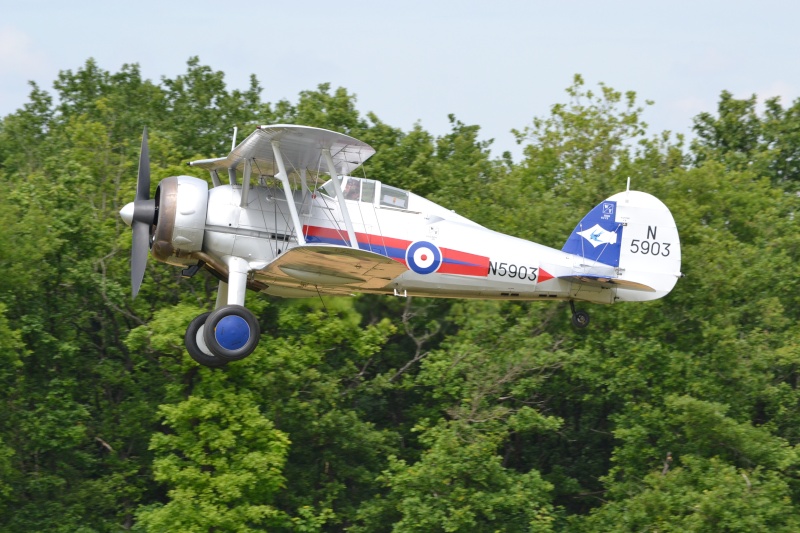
column 389, row 414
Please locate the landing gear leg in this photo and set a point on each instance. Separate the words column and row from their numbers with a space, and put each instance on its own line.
column 580, row 319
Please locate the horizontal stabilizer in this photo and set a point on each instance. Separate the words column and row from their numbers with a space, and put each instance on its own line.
column 609, row 282
column 331, row 266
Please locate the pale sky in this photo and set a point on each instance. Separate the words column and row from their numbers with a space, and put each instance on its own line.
column 494, row 63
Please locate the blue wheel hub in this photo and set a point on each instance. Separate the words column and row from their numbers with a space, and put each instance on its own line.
column 232, row 332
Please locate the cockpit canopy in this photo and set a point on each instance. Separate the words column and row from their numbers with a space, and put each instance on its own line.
column 365, row 190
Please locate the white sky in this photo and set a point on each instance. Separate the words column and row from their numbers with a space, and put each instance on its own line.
column 494, row 63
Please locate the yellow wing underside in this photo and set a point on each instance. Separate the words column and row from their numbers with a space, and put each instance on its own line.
column 313, row 268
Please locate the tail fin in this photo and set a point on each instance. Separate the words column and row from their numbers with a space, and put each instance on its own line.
column 629, row 242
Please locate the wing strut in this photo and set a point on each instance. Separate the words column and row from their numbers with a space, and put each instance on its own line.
column 287, row 189
column 215, row 178
column 248, row 168
column 336, row 187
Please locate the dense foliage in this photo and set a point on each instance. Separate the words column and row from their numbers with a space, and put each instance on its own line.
column 389, row 414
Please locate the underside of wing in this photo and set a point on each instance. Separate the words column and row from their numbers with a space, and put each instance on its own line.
column 328, row 269
column 607, row 282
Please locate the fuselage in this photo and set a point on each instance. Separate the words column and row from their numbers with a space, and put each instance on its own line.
column 446, row 254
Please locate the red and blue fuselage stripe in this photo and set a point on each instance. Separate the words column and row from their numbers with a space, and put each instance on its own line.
column 453, row 261
column 387, row 246
column 463, row 263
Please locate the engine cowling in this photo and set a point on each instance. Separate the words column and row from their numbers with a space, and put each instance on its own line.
column 179, row 225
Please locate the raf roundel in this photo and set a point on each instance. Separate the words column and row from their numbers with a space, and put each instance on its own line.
column 423, row 257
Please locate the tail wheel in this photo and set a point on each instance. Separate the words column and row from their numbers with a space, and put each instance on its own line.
column 580, row 319
column 231, row 332
column 196, row 344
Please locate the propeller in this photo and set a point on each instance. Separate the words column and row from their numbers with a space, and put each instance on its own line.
column 140, row 215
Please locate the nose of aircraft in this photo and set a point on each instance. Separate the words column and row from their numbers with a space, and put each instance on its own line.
column 126, row 213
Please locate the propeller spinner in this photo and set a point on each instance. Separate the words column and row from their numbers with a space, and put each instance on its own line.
column 140, row 215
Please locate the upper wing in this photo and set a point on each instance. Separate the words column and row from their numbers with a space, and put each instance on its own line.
column 301, row 148
column 336, row 268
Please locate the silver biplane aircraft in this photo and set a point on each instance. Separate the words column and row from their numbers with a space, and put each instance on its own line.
column 353, row 234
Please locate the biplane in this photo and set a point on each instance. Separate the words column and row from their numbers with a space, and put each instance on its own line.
column 285, row 216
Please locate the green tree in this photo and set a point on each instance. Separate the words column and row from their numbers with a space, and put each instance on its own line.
column 408, row 414
column 702, row 495
column 739, row 138
column 222, row 462
column 459, row 484
column 202, row 113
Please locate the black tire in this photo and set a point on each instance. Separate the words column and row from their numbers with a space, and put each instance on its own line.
column 580, row 319
column 242, row 347
column 194, row 349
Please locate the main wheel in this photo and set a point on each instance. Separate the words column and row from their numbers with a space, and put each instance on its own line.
column 580, row 319
column 231, row 332
column 196, row 344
